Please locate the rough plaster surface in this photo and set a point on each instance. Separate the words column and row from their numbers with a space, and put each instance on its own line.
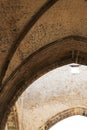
column 61, row 20
column 54, row 92
column 60, row 27
column 16, row 14
column 13, row 17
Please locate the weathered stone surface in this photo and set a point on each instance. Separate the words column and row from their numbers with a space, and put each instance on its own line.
column 12, row 122
column 37, row 36
column 61, row 20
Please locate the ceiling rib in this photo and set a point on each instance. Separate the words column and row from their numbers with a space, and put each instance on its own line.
column 26, row 29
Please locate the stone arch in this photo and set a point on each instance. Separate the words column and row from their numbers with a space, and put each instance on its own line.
column 62, row 115
column 40, row 61
column 32, row 68
column 23, row 33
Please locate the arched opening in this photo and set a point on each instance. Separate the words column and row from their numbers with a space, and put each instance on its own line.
column 71, row 123
column 31, row 68
column 38, row 36
column 63, row 115
column 53, row 97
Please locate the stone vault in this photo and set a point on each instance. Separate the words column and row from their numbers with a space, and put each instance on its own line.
column 37, row 36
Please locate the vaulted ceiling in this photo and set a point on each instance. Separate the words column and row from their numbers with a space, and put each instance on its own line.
column 37, row 36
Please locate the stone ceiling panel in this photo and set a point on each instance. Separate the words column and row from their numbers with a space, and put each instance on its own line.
column 63, row 19
column 14, row 15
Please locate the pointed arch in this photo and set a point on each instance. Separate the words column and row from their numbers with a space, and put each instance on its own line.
column 39, row 63
column 62, row 115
